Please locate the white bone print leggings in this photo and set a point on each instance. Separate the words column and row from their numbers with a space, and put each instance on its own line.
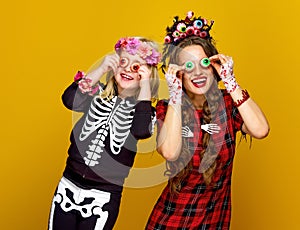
column 77, row 208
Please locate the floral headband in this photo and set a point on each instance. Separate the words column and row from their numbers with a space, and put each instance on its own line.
column 134, row 46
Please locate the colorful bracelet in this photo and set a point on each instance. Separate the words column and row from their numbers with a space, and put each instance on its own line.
column 84, row 84
column 78, row 76
column 245, row 97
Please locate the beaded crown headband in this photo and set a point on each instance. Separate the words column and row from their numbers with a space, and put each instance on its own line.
column 189, row 26
column 181, row 29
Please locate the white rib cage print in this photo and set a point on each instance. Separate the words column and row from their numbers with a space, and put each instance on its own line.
column 106, row 117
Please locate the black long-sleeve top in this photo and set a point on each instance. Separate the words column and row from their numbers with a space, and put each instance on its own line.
column 103, row 141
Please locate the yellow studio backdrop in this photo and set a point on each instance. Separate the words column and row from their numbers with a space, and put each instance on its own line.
column 44, row 43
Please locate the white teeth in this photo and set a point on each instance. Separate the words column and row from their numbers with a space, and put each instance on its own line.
column 199, row 81
column 127, row 77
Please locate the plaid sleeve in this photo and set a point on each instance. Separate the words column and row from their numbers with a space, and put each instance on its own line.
column 237, row 118
column 161, row 110
column 235, row 114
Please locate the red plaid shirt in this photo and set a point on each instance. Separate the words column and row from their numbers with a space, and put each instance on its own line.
column 199, row 206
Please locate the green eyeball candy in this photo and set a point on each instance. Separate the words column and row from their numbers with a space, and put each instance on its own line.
column 205, row 62
column 189, row 66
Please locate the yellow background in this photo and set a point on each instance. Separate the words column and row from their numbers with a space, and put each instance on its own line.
column 43, row 43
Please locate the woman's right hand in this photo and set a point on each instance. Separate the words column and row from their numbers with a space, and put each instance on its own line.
column 174, row 80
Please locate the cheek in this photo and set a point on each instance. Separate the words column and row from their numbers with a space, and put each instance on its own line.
column 209, row 72
column 136, row 76
column 118, row 70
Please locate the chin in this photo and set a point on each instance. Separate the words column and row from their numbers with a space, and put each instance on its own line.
column 198, row 91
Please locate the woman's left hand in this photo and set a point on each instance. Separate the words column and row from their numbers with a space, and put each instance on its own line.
column 225, row 70
column 255, row 122
column 218, row 60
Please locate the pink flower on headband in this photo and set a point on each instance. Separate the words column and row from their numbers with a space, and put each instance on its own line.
column 121, row 43
column 154, row 58
column 129, row 44
column 134, row 46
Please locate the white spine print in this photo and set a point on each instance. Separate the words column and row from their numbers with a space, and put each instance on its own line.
column 103, row 116
column 97, row 116
column 120, row 125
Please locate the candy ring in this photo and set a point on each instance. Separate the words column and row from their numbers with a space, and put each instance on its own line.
column 124, row 62
column 135, row 67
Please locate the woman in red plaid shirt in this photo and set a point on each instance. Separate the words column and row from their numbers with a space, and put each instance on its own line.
column 197, row 129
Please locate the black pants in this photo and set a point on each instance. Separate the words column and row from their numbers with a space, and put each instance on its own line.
column 74, row 208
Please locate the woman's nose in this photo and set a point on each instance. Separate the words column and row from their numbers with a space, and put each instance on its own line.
column 128, row 67
column 198, row 69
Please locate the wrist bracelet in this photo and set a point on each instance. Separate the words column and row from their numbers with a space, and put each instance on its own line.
column 84, row 84
column 78, row 76
column 245, row 97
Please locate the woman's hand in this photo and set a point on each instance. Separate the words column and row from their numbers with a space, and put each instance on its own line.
column 174, row 80
column 255, row 122
column 225, row 71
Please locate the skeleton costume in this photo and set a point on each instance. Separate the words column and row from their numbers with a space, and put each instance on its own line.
column 102, row 151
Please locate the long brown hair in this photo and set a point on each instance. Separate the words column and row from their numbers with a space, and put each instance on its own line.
column 178, row 170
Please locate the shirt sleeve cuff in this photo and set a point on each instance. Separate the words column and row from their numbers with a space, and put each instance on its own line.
column 143, row 107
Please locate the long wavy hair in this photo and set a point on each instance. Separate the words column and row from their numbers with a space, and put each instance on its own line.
column 111, row 89
column 178, row 170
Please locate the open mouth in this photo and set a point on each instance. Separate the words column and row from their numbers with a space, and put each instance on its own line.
column 199, row 81
column 126, row 77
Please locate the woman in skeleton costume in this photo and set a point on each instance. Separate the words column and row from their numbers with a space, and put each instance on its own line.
column 203, row 120
column 103, row 142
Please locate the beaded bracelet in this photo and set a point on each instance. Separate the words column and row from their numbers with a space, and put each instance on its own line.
column 84, row 84
column 245, row 97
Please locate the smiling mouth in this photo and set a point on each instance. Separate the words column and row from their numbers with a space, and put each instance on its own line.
column 126, row 77
column 199, row 81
